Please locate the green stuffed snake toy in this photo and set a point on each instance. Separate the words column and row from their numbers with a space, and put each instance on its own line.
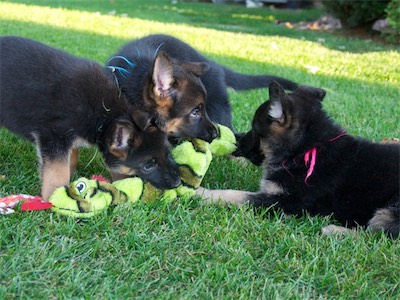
column 84, row 197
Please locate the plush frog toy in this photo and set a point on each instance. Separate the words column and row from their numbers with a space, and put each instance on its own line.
column 84, row 197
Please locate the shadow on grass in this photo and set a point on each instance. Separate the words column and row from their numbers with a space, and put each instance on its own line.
column 229, row 18
column 101, row 47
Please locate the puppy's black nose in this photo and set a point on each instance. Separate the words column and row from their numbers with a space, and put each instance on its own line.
column 173, row 182
column 173, row 179
column 212, row 133
column 238, row 152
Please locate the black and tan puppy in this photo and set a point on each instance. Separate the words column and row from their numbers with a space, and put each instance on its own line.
column 61, row 102
column 180, row 85
column 312, row 165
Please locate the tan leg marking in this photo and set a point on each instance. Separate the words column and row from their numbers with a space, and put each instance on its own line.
column 73, row 160
column 74, row 153
column 54, row 174
column 336, row 230
column 227, row 196
column 381, row 218
column 271, row 188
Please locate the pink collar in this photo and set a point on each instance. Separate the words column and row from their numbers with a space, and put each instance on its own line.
column 310, row 157
column 310, row 163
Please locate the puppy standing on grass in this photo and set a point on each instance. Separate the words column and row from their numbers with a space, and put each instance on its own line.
column 311, row 165
column 61, row 102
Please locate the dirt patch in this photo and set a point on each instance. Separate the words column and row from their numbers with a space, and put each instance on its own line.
column 363, row 33
column 328, row 23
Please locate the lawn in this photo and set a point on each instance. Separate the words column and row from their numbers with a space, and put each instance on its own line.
column 188, row 250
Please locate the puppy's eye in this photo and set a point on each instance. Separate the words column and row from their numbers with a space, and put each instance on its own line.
column 149, row 166
column 196, row 113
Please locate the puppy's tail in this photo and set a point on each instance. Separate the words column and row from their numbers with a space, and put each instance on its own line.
column 240, row 82
column 387, row 219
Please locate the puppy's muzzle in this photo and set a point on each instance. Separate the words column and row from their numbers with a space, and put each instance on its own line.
column 210, row 134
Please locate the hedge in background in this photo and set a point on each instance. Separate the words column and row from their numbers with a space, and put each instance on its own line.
column 393, row 18
column 355, row 13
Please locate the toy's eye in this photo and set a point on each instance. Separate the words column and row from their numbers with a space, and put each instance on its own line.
column 80, row 186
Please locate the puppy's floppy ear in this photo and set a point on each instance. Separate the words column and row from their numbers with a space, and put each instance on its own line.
column 197, row 68
column 276, row 97
column 121, row 136
column 163, row 74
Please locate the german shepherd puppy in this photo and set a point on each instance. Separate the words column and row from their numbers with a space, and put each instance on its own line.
column 311, row 165
column 180, row 85
column 61, row 102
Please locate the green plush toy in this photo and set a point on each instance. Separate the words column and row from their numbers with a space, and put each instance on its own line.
column 86, row 197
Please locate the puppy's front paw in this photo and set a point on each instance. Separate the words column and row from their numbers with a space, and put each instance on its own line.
column 336, row 230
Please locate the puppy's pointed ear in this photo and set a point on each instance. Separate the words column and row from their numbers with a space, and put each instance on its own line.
column 197, row 68
column 320, row 93
column 121, row 137
column 315, row 92
column 163, row 74
column 276, row 96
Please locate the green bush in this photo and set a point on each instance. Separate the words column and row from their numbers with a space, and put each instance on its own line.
column 356, row 13
column 393, row 14
column 392, row 34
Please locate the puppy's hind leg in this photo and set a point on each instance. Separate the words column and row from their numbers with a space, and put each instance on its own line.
column 387, row 219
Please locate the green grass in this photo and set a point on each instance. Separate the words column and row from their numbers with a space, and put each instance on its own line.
column 187, row 250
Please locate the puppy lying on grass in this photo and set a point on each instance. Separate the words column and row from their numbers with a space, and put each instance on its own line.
column 311, row 165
